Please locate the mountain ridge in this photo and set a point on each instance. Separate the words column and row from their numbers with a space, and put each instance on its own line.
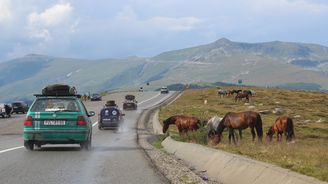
column 266, row 64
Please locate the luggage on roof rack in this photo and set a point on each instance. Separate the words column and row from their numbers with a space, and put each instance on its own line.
column 129, row 97
column 58, row 90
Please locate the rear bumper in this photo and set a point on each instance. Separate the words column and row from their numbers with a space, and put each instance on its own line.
column 56, row 136
column 109, row 123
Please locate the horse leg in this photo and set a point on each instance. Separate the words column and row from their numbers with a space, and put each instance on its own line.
column 253, row 134
column 232, row 134
column 240, row 135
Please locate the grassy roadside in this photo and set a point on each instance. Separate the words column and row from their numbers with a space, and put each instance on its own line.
column 308, row 155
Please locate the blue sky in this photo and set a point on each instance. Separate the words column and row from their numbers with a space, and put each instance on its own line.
column 94, row 29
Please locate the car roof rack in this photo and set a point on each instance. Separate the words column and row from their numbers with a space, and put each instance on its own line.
column 58, row 95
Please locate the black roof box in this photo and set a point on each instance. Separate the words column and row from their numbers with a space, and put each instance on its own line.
column 130, row 97
column 59, row 90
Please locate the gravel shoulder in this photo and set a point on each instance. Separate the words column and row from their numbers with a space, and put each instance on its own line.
column 174, row 169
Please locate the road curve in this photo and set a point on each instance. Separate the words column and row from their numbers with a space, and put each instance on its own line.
column 115, row 156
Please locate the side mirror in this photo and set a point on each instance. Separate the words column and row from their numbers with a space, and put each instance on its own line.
column 91, row 113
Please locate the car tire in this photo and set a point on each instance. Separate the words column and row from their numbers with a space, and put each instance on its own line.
column 29, row 145
column 87, row 144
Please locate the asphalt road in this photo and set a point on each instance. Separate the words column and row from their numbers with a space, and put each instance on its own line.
column 115, row 156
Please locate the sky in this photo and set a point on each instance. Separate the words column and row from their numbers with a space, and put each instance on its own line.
column 97, row 29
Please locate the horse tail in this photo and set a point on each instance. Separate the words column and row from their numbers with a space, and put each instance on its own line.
column 290, row 129
column 258, row 126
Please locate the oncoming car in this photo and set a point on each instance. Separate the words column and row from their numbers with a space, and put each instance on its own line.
column 164, row 90
column 58, row 118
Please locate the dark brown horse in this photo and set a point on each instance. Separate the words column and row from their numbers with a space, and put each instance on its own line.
column 282, row 125
column 240, row 96
column 240, row 121
column 183, row 123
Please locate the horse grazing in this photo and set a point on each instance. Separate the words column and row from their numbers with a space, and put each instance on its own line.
column 240, row 121
column 282, row 125
column 240, row 96
column 222, row 93
column 212, row 125
column 183, row 123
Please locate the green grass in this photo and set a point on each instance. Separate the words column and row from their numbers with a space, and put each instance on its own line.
column 308, row 155
column 186, row 180
column 158, row 142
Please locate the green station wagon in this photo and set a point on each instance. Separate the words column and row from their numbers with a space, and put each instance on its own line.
column 54, row 119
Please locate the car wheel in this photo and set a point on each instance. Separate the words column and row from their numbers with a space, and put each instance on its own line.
column 29, row 145
column 86, row 145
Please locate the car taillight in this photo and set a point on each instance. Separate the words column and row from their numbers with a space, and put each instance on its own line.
column 28, row 121
column 81, row 120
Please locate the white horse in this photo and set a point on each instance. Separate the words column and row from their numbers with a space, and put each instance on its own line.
column 212, row 125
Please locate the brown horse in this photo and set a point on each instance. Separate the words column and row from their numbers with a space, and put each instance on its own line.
column 240, row 121
column 282, row 125
column 240, row 96
column 183, row 123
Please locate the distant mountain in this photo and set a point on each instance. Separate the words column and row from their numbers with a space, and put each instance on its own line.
column 267, row 64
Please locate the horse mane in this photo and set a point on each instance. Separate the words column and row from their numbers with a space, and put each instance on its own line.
column 169, row 120
column 221, row 125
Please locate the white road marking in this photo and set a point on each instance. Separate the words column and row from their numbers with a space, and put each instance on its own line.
column 95, row 124
column 11, row 149
column 149, row 99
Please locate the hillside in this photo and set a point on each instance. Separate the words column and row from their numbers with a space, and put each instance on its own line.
column 300, row 65
column 307, row 155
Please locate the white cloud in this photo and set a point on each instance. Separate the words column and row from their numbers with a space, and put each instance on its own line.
column 5, row 12
column 129, row 16
column 174, row 24
column 57, row 16
column 302, row 6
column 52, row 16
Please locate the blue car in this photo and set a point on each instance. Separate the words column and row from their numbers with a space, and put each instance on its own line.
column 110, row 116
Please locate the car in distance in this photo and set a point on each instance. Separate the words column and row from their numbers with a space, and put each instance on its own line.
column 96, row 97
column 164, row 90
column 19, row 107
column 141, row 89
column 130, row 103
column 110, row 116
column 5, row 110
column 57, row 116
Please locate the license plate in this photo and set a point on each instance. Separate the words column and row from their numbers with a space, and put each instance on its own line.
column 54, row 122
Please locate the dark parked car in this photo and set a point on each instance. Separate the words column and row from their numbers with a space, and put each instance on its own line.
column 130, row 103
column 95, row 97
column 19, row 106
column 110, row 116
column 5, row 110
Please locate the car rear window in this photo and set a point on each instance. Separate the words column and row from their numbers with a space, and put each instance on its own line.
column 55, row 104
column 17, row 104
